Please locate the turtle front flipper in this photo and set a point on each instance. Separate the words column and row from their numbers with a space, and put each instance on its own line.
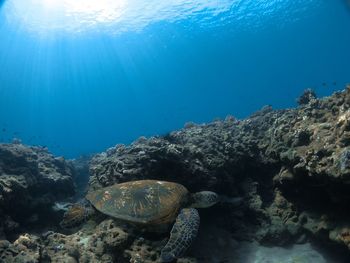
column 182, row 234
column 76, row 215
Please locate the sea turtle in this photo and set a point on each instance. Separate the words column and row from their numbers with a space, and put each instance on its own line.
column 149, row 203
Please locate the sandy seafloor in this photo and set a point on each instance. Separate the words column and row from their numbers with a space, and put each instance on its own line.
column 217, row 246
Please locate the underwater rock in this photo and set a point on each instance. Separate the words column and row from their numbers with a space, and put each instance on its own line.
column 148, row 251
column 143, row 251
column 283, row 227
column 105, row 242
column 308, row 96
column 25, row 249
column 102, row 243
column 31, row 180
column 214, row 153
column 315, row 175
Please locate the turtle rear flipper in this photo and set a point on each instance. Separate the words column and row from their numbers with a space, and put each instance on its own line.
column 182, row 234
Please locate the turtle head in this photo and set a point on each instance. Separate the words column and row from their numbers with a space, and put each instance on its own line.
column 204, row 199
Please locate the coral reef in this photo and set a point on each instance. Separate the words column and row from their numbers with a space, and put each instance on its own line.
column 291, row 166
column 313, row 143
column 99, row 243
column 25, row 249
column 290, row 169
column 31, row 180
column 210, row 153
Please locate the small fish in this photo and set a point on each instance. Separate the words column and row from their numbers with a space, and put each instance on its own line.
column 4, row 130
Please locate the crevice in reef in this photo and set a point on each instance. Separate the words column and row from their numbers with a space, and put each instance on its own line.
column 320, row 197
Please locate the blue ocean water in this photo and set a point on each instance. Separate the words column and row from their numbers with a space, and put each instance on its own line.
column 79, row 76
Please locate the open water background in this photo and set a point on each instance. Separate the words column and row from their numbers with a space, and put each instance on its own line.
column 80, row 76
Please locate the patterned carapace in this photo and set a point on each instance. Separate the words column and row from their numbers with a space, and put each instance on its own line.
column 145, row 202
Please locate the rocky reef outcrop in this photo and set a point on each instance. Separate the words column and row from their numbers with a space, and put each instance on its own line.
column 31, row 180
column 289, row 168
column 216, row 153
column 311, row 144
column 104, row 242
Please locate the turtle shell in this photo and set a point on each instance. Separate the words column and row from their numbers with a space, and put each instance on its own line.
column 144, row 201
